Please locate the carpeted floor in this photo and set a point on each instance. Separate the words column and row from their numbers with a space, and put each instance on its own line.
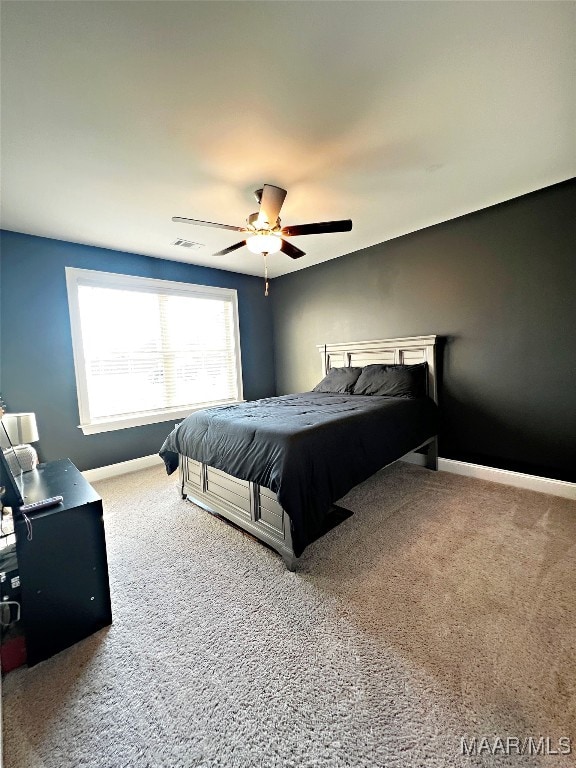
column 444, row 609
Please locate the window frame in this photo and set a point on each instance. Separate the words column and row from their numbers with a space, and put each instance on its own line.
column 76, row 277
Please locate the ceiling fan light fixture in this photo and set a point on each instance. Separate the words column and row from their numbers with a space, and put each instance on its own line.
column 264, row 233
column 264, row 243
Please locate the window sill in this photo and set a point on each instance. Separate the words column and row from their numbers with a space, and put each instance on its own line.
column 141, row 419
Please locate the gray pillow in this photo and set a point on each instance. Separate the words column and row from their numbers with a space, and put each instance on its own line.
column 392, row 380
column 339, row 381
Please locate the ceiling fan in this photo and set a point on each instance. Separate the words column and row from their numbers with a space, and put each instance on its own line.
column 264, row 232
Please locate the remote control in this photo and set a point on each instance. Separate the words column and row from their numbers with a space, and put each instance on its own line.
column 36, row 505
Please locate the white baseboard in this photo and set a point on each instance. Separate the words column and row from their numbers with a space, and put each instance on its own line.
column 504, row 476
column 112, row 470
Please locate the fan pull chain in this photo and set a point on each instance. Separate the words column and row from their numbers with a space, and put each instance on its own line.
column 265, row 274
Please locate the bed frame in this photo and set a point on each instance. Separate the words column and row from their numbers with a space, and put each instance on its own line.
column 253, row 507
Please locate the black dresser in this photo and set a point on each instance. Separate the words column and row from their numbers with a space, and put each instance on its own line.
column 61, row 552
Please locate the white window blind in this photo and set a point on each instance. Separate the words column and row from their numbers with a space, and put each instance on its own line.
column 148, row 350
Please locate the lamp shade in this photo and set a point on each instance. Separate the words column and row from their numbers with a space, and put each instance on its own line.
column 264, row 243
column 21, row 428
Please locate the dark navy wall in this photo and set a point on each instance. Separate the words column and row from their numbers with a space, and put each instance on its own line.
column 37, row 369
column 500, row 285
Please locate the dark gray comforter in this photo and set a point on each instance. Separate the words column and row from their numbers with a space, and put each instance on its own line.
column 309, row 448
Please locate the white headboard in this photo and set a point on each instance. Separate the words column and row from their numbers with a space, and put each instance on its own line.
column 407, row 351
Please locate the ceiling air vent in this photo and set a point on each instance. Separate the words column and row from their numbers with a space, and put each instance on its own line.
column 188, row 244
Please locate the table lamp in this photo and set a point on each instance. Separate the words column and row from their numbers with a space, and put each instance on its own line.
column 19, row 430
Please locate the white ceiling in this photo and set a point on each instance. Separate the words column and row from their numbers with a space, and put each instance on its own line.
column 117, row 116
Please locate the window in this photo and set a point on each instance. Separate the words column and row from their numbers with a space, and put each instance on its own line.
column 150, row 350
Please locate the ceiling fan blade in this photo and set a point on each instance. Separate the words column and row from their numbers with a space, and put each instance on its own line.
column 230, row 248
column 344, row 225
column 291, row 250
column 270, row 204
column 182, row 220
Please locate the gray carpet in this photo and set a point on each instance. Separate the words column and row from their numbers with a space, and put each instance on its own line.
column 443, row 609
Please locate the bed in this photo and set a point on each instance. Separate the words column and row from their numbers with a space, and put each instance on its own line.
column 276, row 466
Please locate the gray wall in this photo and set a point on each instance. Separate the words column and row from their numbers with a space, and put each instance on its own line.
column 37, row 371
column 500, row 285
